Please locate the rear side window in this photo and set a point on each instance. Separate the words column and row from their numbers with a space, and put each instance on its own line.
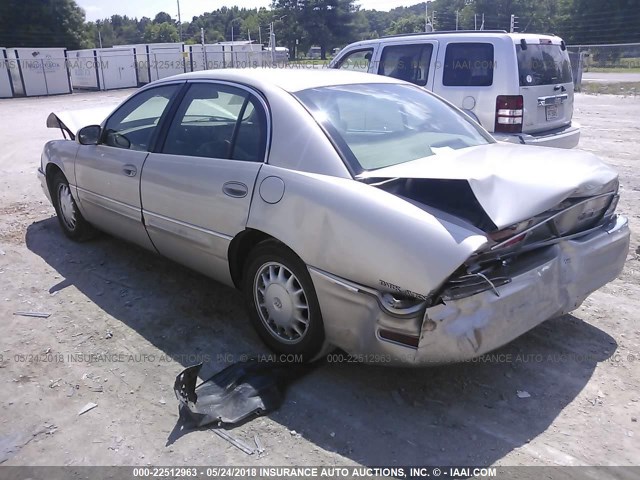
column 468, row 65
column 358, row 60
column 543, row 65
column 218, row 121
column 407, row 62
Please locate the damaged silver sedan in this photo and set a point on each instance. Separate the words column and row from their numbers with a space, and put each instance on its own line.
column 353, row 211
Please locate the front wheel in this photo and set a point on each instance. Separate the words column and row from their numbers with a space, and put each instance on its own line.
column 71, row 220
column 283, row 304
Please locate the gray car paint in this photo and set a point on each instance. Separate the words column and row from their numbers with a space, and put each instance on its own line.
column 355, row 238
column 511, row 182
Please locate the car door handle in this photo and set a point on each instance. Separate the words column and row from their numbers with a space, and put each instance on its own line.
column 235, row 189
column 559, row 87
column 130, row 170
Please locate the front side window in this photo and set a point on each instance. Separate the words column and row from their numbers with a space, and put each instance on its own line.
column 218, row 121
column 358, row 60
column 407, row 62
column 543, row 65
column 379, row 125
column 133, row 124
column 468, row 65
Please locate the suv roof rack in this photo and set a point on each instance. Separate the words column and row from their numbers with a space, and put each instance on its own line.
column 438, row 32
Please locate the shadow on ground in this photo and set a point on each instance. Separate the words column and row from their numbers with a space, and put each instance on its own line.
column 465, row 414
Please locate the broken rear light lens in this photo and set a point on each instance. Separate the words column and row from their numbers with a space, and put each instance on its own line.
column 509, row 113
column 511, row 232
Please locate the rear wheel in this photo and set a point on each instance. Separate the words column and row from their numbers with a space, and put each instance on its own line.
column 71, row 220
column 283, row 304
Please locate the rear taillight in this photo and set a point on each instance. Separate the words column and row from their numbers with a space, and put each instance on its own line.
column 509, row 113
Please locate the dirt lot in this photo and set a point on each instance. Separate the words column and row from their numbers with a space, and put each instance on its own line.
column 582, row 371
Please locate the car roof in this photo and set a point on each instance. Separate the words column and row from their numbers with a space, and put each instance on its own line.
column 288, row 79
column 458, row 35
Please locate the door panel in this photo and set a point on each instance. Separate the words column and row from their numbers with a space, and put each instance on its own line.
column 109, row 198
column 196, row 194
column 108, row 174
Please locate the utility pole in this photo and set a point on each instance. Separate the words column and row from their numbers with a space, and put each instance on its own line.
column 482, row 25
column 433, row 21
column 457, row 15
column 428, row 26
column 179, row 20
column 204, row 51
column 475, row 21
column 514, row 23
column 272, row 43
column 272, row 39
column 100, row 38
column 426, row 15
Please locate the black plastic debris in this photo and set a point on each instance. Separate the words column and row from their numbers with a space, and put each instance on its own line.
column 236, row 393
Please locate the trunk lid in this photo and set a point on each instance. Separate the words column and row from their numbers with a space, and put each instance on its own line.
column 511, row 183
column 71, row 121
column 546, row 84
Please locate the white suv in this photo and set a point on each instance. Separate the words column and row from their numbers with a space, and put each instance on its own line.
column 518, row 86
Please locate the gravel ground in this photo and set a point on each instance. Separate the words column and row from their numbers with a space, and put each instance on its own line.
column 154, row 317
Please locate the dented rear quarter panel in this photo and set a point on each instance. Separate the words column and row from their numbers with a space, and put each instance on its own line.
column 361, row 233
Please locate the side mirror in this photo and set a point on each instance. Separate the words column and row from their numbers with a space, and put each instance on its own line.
column 89, row 135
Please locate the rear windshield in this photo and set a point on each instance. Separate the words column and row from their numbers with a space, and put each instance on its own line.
column 543, row 65
column 379, row 125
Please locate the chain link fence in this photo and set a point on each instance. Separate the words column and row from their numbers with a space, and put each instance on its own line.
column 624, row 57
column 612, row 68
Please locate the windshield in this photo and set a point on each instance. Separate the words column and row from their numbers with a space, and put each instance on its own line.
column 379, row 125
column 543, row 65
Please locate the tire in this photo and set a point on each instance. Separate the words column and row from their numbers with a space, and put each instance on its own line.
column 280, row 296
column 70, row 219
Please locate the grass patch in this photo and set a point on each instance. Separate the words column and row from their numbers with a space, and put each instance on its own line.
column 620, row 88
column 613, row 70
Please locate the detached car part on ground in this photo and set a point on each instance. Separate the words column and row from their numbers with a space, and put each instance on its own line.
column 354, row 211
column 240, row 391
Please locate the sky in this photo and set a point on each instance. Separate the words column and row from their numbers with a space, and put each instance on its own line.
column 98, row 9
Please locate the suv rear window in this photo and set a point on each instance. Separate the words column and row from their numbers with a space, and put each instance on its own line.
column 468, row 65
column 543, row 65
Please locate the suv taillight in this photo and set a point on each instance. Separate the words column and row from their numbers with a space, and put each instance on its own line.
column 509, row 113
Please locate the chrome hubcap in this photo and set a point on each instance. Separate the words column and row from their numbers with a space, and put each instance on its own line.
column 282, row 303
column 67, row 207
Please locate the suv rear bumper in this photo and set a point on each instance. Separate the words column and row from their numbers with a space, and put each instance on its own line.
column 565, row 137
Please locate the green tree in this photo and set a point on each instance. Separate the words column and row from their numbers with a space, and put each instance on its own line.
column 160, row 33
column 41, row 23
column 326, row 23
column 410, row 24
column 163, row 17
column 105, row 35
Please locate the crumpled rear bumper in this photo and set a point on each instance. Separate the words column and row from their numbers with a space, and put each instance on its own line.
column 551, row 283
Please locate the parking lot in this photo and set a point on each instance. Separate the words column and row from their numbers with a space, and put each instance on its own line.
column 125, row 322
